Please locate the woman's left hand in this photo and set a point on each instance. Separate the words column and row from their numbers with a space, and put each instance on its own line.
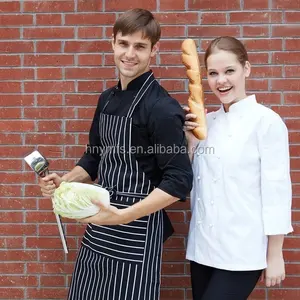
column 108, row 215
column 275, row 271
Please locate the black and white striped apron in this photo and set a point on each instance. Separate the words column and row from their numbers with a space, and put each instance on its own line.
column 121, row 262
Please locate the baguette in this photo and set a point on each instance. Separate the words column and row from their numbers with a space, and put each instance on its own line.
column 196, row 96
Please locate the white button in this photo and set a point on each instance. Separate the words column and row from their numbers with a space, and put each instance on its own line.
column 211, row 225
column 199, row 222
column 198, row 154
column 198, row 199
column 198, row 177
column 215, row 180
column 212, row 202
column 229, row 135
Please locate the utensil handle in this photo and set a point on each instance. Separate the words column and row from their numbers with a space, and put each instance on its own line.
column 60, row 227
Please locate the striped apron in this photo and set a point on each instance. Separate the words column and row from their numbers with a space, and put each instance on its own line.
column 120, row 262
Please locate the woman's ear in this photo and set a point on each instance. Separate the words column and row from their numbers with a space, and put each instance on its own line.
column 155, row 49
column 247, row 68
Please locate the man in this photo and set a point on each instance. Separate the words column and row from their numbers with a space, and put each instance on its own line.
column 135, row 125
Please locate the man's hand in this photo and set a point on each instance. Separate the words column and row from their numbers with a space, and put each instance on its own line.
column 49, row 183
column 275, row 271
column 108, row 215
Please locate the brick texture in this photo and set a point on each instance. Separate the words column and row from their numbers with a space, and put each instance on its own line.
column 55, row 59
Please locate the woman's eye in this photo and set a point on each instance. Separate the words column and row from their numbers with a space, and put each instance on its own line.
column 212, row 73
column 229, row 71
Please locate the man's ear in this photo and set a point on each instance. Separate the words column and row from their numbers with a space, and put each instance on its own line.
column 113, row 42
column 155, row 49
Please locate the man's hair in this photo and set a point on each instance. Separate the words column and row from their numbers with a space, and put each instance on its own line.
column 135, row 20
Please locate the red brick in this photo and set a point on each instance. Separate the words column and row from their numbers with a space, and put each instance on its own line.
column 78, row 126
column 10, row 60
column 9, row 164
column 19, row 255
column 10, row 87
column 48, row 46
column 10, row 113
column 262, row 44
column 90, row 32
column 49, row 139
column 74, row 151
column 49, row 99
column 9, row 33
column 17, row 203
column 47, row 293
column 285, row 84
column 216, row 5
column 286, row 4
column 49, row 86
column 16, row 47
column 17, row 177
column 87, row 46
column 256, row 31
column 11, row 217
column 266, row 71
column 170, row 45
column 212, row 31
column 16, row 20
column 49, row 113
column 286, row 30
column 90, row 73
column 44, row 19
column 172, row 5
column 291, row 98
column 16, row 74
column 90, row 19
column 17, row 125
column 23, row 281
column 213, row 18
column 49, row 33
column 49, row 73
column 90, row 86
column 292, row 71
column 172, row 31
column 170, row 59
column 169, row 72
column 172, row 294
column 120, row 5
column 16, row 100
column 89, row 5
column 82, row 100
column 9, row 6
column 50, row 126
column 177, row 18
column 173, row 85
column 48, row 6
column 256, row 4
column 292, row 44
column 62, row 164
column 286, row 57
column 50, row 281
column 182, row 281
column 11, row 190
column 90, row 59
column 255, row 17
column 172, row 268
column 50, row 151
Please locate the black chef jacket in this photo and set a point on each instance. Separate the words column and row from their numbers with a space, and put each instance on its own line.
column 157, row 129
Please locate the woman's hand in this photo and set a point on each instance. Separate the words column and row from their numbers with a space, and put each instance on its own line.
column 275, row 271
column 188, row 127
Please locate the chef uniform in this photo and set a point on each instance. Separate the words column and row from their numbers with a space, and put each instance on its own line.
column 123, row 262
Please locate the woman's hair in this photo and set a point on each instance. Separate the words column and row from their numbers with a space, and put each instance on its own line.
column 230, row 44
column 135, row 20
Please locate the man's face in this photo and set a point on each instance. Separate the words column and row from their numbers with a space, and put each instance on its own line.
column 132, row 54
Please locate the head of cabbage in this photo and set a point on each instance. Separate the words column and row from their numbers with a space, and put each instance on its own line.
column 73, row 199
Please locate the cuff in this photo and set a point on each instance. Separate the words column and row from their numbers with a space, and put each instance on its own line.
column 277, row 220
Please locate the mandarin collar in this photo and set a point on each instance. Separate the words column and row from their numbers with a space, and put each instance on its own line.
column 240, row 106
column 136, row 83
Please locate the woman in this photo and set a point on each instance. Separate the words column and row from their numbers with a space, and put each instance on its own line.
column 241, row 197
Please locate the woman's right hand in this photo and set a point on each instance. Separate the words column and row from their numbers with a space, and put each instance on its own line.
column 49, row 183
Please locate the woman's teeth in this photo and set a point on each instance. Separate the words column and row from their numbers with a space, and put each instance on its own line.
column 223, row 90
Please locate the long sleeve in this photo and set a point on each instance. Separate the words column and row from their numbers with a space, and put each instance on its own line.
column 275, row 176
column 91, row 157
column 166, row 123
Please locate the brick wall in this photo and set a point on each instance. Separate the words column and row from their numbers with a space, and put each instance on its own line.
column 55, row 59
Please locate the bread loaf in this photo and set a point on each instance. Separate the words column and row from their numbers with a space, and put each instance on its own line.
column 196, row 96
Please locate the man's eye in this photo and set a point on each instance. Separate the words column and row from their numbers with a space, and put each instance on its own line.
column 140, row 47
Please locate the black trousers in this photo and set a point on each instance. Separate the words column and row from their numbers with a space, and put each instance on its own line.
column 214, row 284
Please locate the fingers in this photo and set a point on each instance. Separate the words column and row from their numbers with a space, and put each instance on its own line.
column 47, row 186
column 272, row 281
column 190, row 117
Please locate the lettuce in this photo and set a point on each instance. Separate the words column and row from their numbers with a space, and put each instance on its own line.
column 73, row 199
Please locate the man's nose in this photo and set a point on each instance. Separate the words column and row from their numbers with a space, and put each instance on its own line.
column 130, row 53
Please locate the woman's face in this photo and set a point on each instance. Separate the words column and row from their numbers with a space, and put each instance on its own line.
column 226, row 76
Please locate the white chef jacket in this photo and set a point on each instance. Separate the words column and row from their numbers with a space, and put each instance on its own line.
column 242, row 187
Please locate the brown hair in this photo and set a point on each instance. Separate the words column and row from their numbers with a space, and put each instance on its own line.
column 138, row 19
column 230, row 44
